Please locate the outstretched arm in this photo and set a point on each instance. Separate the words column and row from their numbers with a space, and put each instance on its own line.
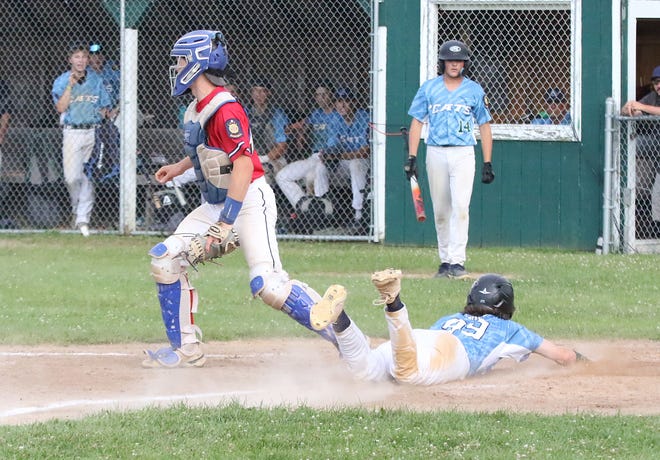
column 635, row 108
column 560, row 355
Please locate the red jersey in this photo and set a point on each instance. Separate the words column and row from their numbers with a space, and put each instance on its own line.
column 229, row 130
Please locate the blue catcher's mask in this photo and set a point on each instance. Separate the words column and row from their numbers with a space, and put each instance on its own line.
column 197, row 52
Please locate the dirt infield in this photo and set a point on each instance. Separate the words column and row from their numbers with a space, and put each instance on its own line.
column 45, row 382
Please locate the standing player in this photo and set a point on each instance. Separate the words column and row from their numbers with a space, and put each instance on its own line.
column 455, row 347
column 82, row 100
column 451, row 103
column 110, row 74
column 238, row 204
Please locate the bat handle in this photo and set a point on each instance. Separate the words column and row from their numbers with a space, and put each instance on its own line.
column 404, row 135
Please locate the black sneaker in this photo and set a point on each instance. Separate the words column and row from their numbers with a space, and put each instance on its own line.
column 443, row 271
column 457, row 272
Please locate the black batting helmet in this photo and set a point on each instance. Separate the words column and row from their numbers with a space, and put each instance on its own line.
column 453, row 50
column 492, row 294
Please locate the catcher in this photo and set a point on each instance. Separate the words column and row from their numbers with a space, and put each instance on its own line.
column 455, row 347
column 239, row 205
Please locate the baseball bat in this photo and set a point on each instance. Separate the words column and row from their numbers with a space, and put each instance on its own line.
column 417, row 199
column 416, row 192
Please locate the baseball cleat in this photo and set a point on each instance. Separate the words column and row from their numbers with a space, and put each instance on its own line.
column 388, row 283
column 327, row 310
column 84, row 229
column 443, row 271
column 457, row 272
column 169, row 358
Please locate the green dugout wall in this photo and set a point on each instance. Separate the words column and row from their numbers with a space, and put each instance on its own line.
column 545, row 193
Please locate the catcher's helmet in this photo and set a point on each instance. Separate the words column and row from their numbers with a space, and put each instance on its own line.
column 494, row 292
column 453, row 50
column 205, row 51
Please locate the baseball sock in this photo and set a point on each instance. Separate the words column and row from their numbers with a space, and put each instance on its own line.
column 342, row 323
column 396, row 305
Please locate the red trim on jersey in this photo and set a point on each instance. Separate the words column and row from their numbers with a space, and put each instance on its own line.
column 217, row 136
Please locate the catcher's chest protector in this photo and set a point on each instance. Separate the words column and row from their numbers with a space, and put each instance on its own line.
column 212, row 165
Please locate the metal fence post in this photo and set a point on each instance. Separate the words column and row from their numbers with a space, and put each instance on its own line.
column 607, row 176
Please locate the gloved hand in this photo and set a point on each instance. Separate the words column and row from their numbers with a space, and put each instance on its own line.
column 228, row 243
column 487, row 175
column 410, row 168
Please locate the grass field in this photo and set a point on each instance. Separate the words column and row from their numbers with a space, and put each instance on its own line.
column 62, row 289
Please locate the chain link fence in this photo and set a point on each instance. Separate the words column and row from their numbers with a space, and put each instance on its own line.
column 523, row 56
column 290, row 48
column 633, row 200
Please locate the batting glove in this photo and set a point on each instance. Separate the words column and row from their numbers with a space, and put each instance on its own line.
column 487, row 175
column 410, row 168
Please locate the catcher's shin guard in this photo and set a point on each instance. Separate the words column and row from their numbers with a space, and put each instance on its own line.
column 177, row 297
column 177, row 306
column 298, row 306
column 292, row 297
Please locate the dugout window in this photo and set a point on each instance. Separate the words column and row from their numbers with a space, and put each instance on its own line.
column 525, row 54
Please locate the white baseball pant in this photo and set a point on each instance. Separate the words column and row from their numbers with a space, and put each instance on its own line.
column 356, row 170
column 414, row 356
column 77, row 147
column 255, row 226
column 289, row 176
column 450, row 171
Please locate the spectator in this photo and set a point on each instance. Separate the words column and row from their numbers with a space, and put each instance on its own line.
column 315, row 128
column 104, row 164
column 347, row 156
column 648, row 145
column 649, row 104
column 268, row 129
column 108, row 70
column 81, row 99
column 556, row 112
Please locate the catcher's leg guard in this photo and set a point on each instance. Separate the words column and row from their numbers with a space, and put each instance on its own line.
column 177, row 297
column 292, row 297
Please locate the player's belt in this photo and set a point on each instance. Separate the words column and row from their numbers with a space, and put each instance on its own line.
column 83, row 126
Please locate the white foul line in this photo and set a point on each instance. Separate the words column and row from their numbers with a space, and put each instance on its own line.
column 105, row 402
column 32, row 354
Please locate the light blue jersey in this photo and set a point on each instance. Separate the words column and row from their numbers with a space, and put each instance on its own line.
column 87, row 99
column 488, row 338
column 111, row 80
column 320, row 122
column 451, row 114
column 350, row 137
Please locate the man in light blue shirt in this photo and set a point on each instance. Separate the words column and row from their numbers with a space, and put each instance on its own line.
column 80, row 97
